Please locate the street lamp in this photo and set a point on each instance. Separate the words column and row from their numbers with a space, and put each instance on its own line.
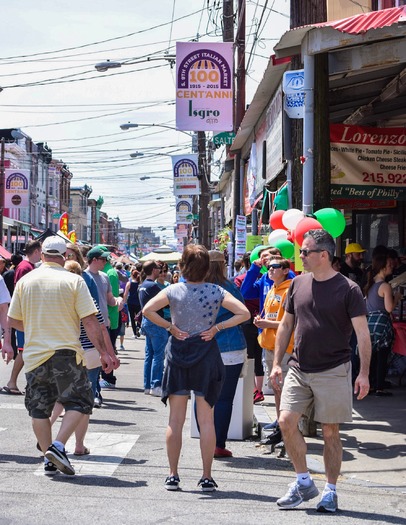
column 130, row 125
column 138, row 154
column 102, row 67
column 147, row 178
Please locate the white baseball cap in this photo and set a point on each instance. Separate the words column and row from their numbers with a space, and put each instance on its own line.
column 54, row 245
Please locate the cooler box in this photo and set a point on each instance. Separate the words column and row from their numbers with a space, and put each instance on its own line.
column 242, row 416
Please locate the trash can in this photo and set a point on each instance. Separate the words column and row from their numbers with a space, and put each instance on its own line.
column 242, row 416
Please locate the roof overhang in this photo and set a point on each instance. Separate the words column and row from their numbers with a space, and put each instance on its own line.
column 267, row 87
column 355, row 30
column 367, row 56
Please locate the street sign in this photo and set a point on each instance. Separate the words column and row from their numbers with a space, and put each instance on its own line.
column 293, row 84
column 224, row 138
column 56, row 215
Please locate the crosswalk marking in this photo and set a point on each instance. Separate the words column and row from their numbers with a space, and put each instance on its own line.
column 13, row 406
column 107, row 451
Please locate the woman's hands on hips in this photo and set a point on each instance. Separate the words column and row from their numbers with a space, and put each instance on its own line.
column 179, row 334
column 209, row 334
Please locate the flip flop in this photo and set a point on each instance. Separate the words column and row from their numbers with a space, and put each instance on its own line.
column 12, row 391
column 85, row 452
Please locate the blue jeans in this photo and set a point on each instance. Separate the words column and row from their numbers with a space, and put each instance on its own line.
column 156, row 338
column 93, row 375
column 224, row 406
column 20, row 339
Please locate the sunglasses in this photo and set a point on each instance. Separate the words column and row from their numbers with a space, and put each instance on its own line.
column 275, row 266
column 306, row 253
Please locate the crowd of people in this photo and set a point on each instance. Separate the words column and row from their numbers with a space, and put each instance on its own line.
column 307, row 333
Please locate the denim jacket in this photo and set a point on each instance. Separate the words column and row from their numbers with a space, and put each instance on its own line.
column 232, row 338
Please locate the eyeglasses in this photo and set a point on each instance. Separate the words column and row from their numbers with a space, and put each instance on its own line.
column 274, row 266
column 305, row 253
column 70, row 256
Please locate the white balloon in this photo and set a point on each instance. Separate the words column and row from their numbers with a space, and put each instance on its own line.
column 291, row 218
column 277, row 235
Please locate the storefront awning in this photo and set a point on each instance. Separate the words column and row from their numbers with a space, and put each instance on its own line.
column 4, row 253
column 366, row 62
column 268, row 85
column 291, row 41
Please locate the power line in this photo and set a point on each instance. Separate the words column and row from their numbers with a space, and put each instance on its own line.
column 100, row 41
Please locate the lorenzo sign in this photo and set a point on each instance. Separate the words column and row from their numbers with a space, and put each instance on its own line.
column 204, row 86
column 368, row 163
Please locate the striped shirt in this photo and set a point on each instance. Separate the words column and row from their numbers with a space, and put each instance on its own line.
column 84, row 339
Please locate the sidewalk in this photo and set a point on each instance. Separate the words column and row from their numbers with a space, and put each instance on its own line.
column 374, row 444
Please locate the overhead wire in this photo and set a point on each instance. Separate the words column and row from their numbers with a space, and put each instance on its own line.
column 83, row 46
column 212, row 27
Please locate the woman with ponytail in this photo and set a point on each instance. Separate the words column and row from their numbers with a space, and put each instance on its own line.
column 380, row 302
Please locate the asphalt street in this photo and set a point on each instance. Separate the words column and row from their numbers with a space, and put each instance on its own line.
column 121, row 481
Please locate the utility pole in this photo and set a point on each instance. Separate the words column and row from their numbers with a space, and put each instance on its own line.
column 304, row 12
column 239, row 104
column 2, row 176
column 204, row 198
column 228, row 21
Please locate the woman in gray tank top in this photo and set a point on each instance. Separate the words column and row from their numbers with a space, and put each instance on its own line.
column 192, row 357
column 380, row 302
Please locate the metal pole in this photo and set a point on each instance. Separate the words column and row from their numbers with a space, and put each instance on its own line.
column 308, row 134
column 2, row 175
column 205, row 191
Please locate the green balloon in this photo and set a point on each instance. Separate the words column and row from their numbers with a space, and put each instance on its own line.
column 332, row 221
column 286, row 247
column 255, row 253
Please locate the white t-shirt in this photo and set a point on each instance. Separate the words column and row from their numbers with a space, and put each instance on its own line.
column 5, row 296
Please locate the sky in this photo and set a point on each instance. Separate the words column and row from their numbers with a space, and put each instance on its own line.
column 52, row 91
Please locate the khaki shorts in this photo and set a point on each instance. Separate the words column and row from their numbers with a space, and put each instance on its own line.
column 328, row 392
column 268, row 357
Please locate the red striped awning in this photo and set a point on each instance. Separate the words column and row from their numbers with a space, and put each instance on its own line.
column 4, row 253
column 353, row 25
column 362, row 23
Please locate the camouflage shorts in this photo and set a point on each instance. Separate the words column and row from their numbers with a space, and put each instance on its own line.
column 59, row 378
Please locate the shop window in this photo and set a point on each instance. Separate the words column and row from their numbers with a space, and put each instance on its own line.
column 386, row 4
column 373, row 229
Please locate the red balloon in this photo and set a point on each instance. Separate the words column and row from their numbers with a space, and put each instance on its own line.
column 290, row 237
column 306, row 224
column 275, row 220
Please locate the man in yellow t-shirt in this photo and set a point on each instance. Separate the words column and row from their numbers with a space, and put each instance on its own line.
column 48, row 304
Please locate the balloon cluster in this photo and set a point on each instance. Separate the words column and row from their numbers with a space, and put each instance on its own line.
column 290, row 226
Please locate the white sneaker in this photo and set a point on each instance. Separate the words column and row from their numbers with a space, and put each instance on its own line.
column 147, row 391
column 157, row 391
